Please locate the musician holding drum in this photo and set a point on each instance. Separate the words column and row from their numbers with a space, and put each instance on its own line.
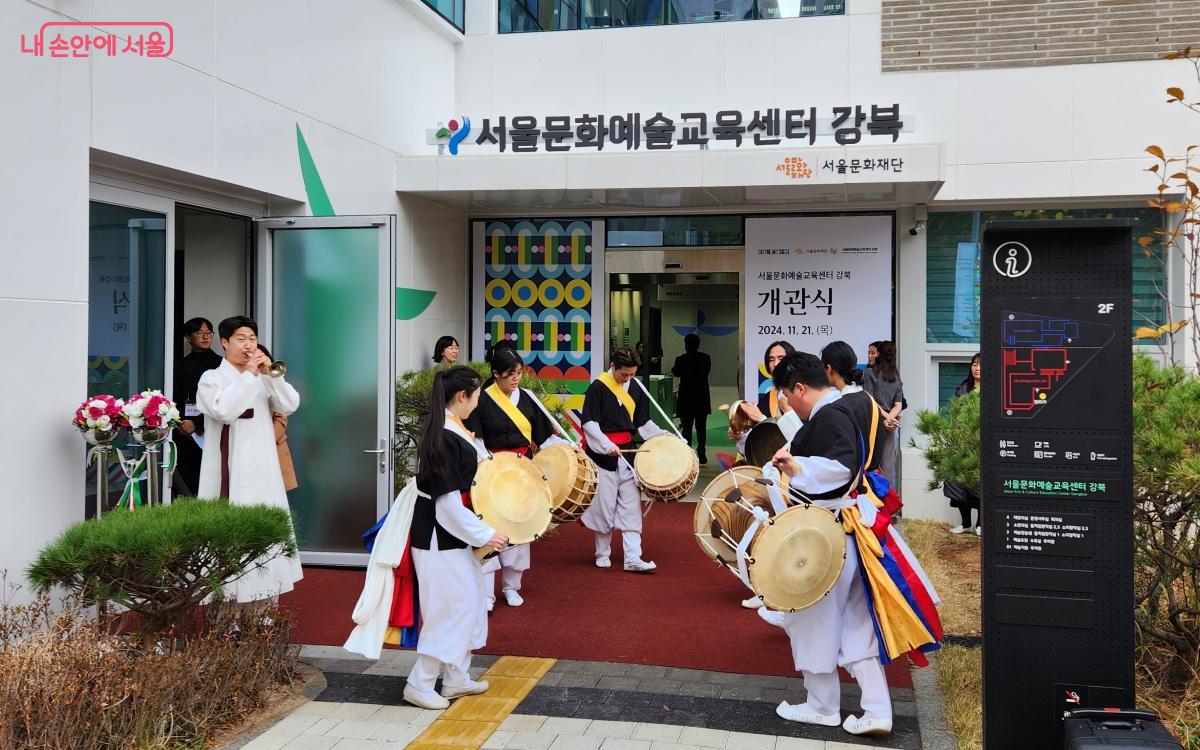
column 612, row 412
column 509, row 421
column 826, row 463
column 454, row 621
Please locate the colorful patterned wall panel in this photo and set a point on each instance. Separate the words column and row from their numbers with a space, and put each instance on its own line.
column 537, row 293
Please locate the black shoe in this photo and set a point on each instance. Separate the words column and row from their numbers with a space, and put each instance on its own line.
column 703, row 458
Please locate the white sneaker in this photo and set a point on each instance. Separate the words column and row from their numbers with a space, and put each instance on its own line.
column 978, row 531
column 491, row 603
column 802, row 713
column 603, row 562
column 421, row 699
column 753, row 602
column 470, row 688
column 776, row 619
column 513, row 598
column 868, row 724
column 958, row 529
column 639, row 566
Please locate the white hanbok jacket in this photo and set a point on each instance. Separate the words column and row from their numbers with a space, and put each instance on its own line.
column 223, row 396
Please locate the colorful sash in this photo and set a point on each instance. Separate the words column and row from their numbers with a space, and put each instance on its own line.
column 773, row 403
column 511, row 411
column 621, row 394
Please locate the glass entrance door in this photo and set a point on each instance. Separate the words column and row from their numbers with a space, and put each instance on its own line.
column 327, row 305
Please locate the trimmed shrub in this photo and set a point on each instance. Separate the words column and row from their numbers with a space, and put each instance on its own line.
column 952, row 449
column 162, row 561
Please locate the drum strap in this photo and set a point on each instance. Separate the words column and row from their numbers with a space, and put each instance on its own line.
column 511, row 411
column 619, row 392
column 760, row 517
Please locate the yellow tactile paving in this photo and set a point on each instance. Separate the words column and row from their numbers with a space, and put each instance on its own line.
column 471, row 720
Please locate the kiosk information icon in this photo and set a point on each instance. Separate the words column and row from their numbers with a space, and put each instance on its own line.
column 1056, row 457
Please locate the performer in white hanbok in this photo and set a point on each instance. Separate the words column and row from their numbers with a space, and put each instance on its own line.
column 449, row 580
column 508, row 421
column 612, row 412
column 882, row 605
column 240, row 459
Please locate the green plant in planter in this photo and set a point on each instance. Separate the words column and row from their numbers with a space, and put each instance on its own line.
column 952, row 442
column 162, row 561
column 412, row 404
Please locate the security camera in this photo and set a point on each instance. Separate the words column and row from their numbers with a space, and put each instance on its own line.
column 918, row 228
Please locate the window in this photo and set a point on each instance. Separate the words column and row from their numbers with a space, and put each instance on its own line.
column 674, row 231
column 126, row 313
column 451, row 10
column 560, row 15
column 952, row 268
column 950, row 375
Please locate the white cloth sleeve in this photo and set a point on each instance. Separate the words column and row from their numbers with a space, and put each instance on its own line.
column 554, row 440
column 462, row 523
column 597, row 441
column 481, row 451
column 741, row 442
column 225, row 402
column 819, row 474
column 284, row 398
column 650, row 430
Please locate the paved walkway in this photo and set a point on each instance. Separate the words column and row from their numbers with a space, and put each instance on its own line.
column 541, row 704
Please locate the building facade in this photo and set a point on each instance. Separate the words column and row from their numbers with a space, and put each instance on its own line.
column 364, row 176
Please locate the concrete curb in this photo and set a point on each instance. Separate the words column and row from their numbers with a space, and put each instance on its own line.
column 931, row 717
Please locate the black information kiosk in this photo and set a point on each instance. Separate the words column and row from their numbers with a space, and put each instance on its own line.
column 1056, row 452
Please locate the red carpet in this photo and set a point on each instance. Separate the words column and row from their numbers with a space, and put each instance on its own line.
column 685, row 614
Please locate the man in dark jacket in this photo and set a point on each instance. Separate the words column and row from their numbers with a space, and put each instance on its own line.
column 693, row 405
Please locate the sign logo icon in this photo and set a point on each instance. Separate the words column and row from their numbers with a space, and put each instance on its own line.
column 794, row 167
column 1072, row 697
column 456, row 131
column 1012, row 259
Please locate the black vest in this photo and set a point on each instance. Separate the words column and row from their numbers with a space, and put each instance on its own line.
column 490, row 422
column 463, row 461
column 601, row 406
column 834, row 433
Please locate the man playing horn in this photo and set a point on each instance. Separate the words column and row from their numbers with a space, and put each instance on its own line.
column 612, row 412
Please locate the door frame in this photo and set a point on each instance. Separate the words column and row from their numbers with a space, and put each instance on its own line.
column 263, row 303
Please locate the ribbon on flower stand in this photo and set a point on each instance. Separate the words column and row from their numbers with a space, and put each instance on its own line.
column 138, row 471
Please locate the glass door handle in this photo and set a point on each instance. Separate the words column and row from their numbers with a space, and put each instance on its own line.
column 381, row 451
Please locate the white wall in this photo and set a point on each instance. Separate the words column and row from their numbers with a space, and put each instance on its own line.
column 360, row 77
column 1010, row 133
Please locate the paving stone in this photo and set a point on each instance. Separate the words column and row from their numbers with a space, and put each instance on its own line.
column 360, row 744
column 726, row 678
column 576, row 742
column 322, row 726
column 902, row 708
column 345, row 666
column 903, row 694
column 614, row 682
column 355, row 729
column 354, row 711
column 497, row 741
column 658, row 685
column 530, row 741
column 774, row 697
column 424, row 717
column 404, row 733
column 687, row 675
column 603, row 728
column 767, row 681
column 565, row 725
column 389, row 670
column 672, row 746
column 659, row 715
column 522, row 723
column 657, row 700
column 612, row 743
column 656, row 732
column 701, row 689
column 745, row 741
column 477, row 660
column 325, row 652
column 318, row 709
column 596, row 695
column 647, row 671
column 396, row 714
column 293, row 725
column 798, row 743
column 550, row 679
column 578, row 679
column 310, row 742
column 268, row 741
column 704, row 737
column 742, row 693
column 378, row 690
column 605, row 668
column 603, row 711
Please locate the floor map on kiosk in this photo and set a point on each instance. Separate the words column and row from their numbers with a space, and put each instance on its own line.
column 1052, row 362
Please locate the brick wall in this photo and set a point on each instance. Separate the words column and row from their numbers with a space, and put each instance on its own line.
column 949, row 34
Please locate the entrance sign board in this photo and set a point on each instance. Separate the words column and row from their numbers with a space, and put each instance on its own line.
column 811, row 280
column 1056, row 453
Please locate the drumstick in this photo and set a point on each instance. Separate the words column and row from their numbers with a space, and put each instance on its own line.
column 554, row 421
column 795, row 493
column 661, row 413
column 635, row 450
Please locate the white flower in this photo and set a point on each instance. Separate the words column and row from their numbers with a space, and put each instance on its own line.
column 104, row 423
column 91, row 423
column 173, row 415
column 134, row 408
column 97, row 404
column 135, row 422
column 164, row 408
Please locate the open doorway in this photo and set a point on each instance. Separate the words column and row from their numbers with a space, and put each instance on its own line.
column 655, row 312
column 213, row 281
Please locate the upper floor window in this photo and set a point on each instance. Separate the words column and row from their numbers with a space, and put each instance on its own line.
column 562, row 15
column 451, row 10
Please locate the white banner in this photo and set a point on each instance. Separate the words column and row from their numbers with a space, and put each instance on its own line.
column 811, row 280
